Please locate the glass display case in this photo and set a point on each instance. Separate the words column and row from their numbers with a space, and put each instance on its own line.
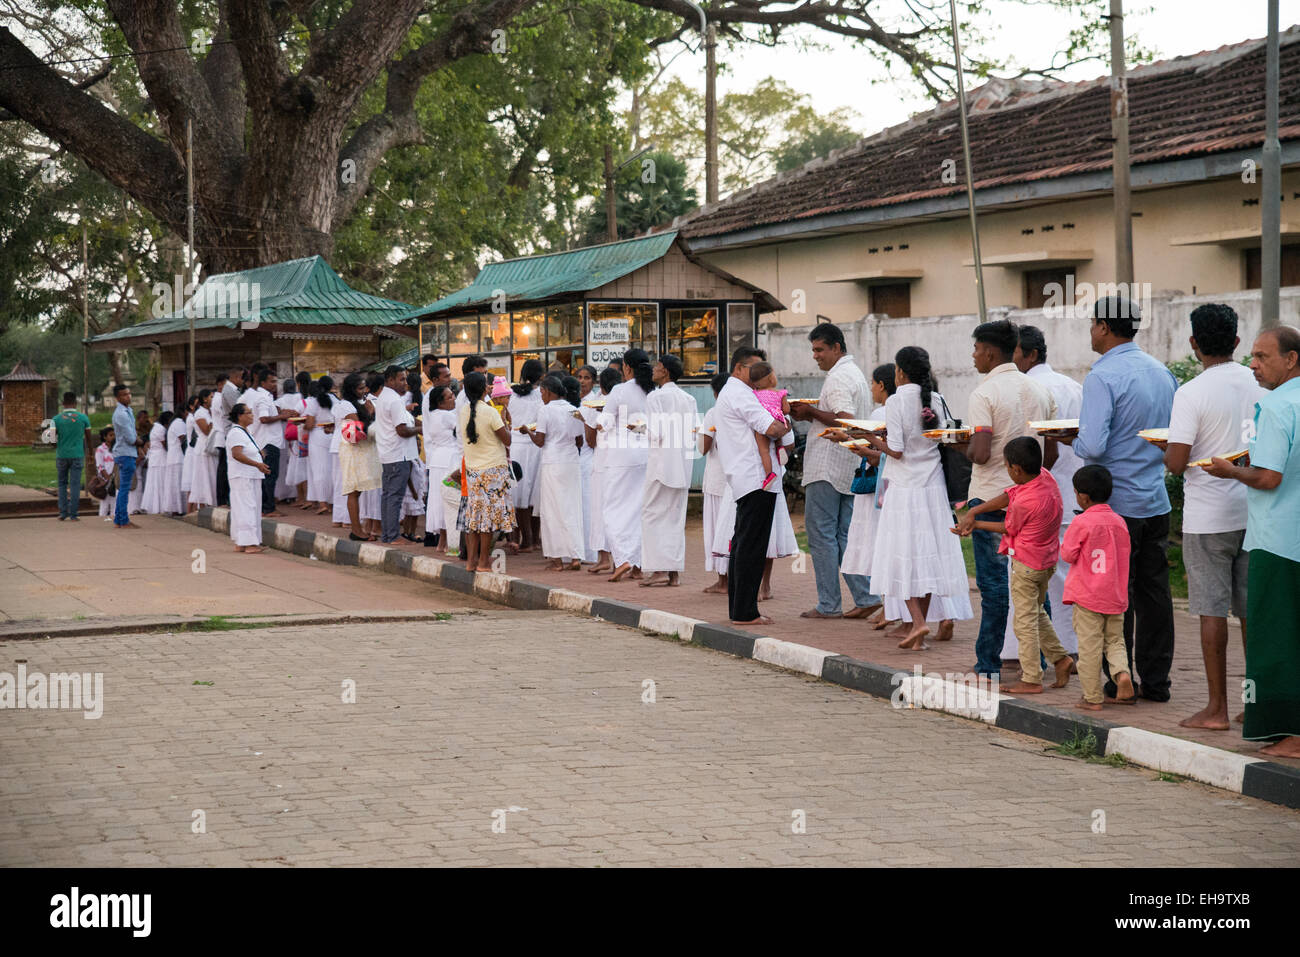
column 692, row 336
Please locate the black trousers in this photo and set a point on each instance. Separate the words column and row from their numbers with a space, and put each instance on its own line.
column 223, row 479
column 271, row 456
column 748, row 552
column 1149, row 621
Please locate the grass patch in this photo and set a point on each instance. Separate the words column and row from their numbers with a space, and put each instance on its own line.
column 1170, row 777
column 33, row 468
column 442, row 616
column 1082, row 744
column 223, row 623
column 208, row 683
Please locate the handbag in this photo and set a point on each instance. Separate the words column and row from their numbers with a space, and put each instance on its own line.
column 864, row 478
column 956, row 466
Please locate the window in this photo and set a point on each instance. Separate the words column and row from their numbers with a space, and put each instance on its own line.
column 433, row 337
column 529, row 329
column 494, row 332
column 1042, row 285
column 1290, row 267
column 692, row 336
column 893, row 299
column 462, row 335
column 564, row 324
column 615, row 327
column 740, row 328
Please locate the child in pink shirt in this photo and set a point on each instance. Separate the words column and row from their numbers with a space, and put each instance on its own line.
column 762, row 379
column 1097, row 548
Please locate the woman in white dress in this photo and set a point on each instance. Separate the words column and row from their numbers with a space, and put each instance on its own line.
column 187, row 463
column 915, row 558
column 596, row 426
column 153, row 500
column 441, row 456
column 587, row 391
column 290, row 481
column 203, row 479
column 556, row 435
column 322, row 452
column 172, row 503
column 245, row 468
column 525, row 407
column 628, row 453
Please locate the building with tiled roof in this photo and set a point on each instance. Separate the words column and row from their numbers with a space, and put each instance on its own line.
column 27, row 398
column 881, row 227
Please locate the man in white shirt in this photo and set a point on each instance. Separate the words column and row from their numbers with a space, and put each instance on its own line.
column 672, row 416
column 828, row 474
column 1031, row 359
column 737, row 416
column 1212, row 416
column 230, row 390
column 1000, row 409
column 395, row 433
column 268, row 430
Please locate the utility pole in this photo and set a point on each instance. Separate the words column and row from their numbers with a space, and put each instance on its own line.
column 1119, row 153
column 190, row 380
column 970, row 175
column 711, row 114
column 1270, row 232
column 85, row 312
column 611, row 207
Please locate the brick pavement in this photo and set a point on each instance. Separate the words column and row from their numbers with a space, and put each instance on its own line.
column 795, row 591
column 544, row 712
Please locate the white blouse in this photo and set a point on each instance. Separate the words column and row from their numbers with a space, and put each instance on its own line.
column 556, row 421
column 919, row 466
column 239, row 437
column 441, row 445
column 157, row 452
column 342, row 408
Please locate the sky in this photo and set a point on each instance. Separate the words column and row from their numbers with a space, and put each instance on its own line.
column 843, row 75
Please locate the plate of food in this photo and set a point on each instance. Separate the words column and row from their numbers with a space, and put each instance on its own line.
column 950, row 435
column 1231, row 457
column 856, row 444
column 297, row 418
column 1054, row 425
column 1154, row 436
column 862, row 425
column 595, row 403
column 806, row 401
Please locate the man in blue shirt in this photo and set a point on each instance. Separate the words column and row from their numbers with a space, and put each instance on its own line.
column 123, row 455
column 1272, row 480
column 1125, row 392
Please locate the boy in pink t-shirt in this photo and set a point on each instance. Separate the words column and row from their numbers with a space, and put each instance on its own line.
column 1097, row 548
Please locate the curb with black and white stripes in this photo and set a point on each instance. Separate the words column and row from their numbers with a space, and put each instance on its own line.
column 1239, row 773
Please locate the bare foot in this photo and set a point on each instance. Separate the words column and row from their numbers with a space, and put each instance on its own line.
column 1084, row 705
column 573, row 566
column 877, row 621
column 253, row 549
column 945, row 630
column 765, row 594
column 901, row 631
column 1124, row 693
column 324, row 510
column 1209, row 718
column 1241, row 718
column 599, row 569
column 862, row 612
column 620, row 572
column 717, row 588
column 814, row 613
column 1286, row 748
column 239, row 548
column 1062, row 672
column 915, row 640
column 882, row 623
column 554, row 565
column 760, row 620
column 273, row 514
column 1022, row 687
column 658, row 578
column 636, row 574
column 127, row 525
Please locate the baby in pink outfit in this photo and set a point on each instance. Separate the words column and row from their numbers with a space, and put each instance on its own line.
column 762, row 379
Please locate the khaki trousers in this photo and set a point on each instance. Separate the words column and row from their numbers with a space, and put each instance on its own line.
column 1099, row 635
column 1033, row 626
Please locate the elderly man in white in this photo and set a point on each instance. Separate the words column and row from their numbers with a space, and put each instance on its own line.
column 671, row 415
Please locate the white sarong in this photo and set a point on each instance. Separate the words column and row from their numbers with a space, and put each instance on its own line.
column 663, row 528
column 246, row 511
column 562, row 529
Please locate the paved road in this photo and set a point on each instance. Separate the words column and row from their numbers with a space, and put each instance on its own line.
column 540, row 718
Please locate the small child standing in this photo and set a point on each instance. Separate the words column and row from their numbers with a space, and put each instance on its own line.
column 762, row 379
column 1031, row 539
column 1097, row 547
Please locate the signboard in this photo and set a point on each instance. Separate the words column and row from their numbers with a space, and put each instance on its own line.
column 600, row 356
column 608, row 332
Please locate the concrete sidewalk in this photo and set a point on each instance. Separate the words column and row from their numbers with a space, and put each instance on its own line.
column 83, row 570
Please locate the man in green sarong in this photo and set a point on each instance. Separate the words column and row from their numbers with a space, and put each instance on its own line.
column 1272, row 479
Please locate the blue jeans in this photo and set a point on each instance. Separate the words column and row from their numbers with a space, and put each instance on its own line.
column 69, row 474
column 991, row 580
column 827, row 514
column 125, row 473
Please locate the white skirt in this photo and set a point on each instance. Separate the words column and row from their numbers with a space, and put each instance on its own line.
column 299, row 464
column 283, row 487
column 916, row 553
column 781, row 543
column 862, row 536
column 621, row 510
column 562, row 529
column 203, row 482
column 434, row 513
column 712, row 506
column 529, row 457
column 135, row 498
column 321, row 465
column 173, row 498
column 151, row 502
column 187, row 468
column 246, row 511
column 596, row 532
column 414, row 504
column 663, row 528
column 340, row 499
column 584, row 474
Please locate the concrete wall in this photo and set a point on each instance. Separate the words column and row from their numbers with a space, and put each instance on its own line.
column 875, row 339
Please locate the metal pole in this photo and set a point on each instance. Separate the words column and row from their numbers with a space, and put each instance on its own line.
column 1270, row 233
column 970, row 176
column 1119, row 153
column 189, row 253
column 711, row 114
column 611, row 207
column 85, row 312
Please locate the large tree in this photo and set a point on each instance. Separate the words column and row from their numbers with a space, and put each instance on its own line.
column 296, row 104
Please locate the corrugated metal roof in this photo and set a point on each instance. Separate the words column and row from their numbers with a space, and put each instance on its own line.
column 305, row 292
column 404, row 359
column 552, row 274
column 23, row 372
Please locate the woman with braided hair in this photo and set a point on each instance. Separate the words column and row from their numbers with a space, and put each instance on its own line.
column 487, row 473
column 628, row 452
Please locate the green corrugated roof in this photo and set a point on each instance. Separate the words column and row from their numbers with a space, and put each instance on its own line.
column 541, row 277
column 404, row 359
column 304, row 292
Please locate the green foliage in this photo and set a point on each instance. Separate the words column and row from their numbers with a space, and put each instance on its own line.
column 648, row 192
column 1185, row 370
column 33, row 467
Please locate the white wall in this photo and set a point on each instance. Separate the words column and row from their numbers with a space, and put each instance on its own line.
column 873, row 341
